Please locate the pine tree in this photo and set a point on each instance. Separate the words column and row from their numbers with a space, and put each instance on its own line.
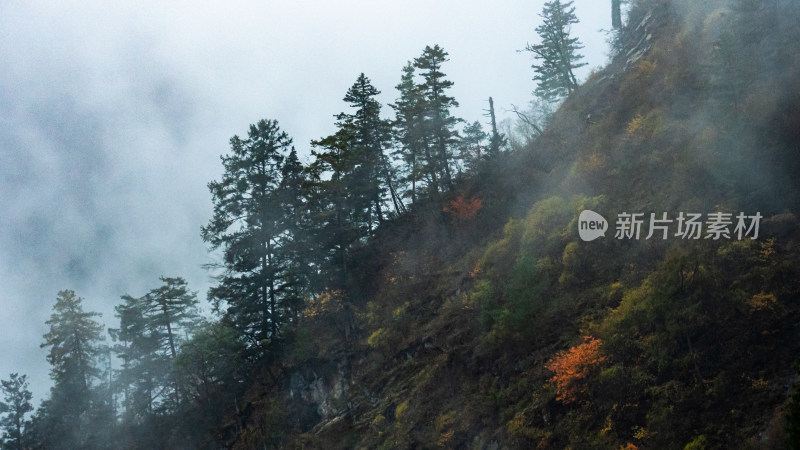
column 408, row 130
column 73, row 350
column 213, row 365
column 370, row 136
column 152, row 328
column 333, row 212
column 72, row 339
column 16, row 403
column 496, row 139
column 298, row 246
column 134, row 350
column 103, row 414
column 171, row 313
column 249, row 224
column 349, row 181
column 472, row 147
column 439, row 124
column 557, row 52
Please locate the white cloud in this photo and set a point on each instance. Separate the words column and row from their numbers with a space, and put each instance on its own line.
column 113, row 115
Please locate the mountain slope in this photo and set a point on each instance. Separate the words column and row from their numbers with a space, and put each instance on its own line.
column 506, row 330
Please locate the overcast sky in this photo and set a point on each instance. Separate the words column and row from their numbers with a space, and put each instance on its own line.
column 113, row 116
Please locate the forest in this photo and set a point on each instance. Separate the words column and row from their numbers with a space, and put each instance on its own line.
column 421, row 282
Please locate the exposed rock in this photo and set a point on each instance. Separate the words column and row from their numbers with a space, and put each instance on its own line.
column 326, row 391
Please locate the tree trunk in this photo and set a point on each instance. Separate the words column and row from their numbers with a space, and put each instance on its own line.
column 431, row 169
column 272, row 301
column 414, row 176
column 495, row 140
column 171, row 340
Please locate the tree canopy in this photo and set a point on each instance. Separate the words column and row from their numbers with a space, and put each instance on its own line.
column 556, row 54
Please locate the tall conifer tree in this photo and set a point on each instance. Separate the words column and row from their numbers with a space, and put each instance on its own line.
column 73, row 347
column 152, row 328
column 250, row 225
column 440, row 123
column 408, row 131
column 557, row 52
column 15, row 404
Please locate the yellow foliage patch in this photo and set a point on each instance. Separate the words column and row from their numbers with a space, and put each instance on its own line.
column 767, row 249
column 762, row 301
column 445, row 437
column 595, row 163
column 646, row 67
column 379, row 421
column 401, row 409
column 444, row 420
column 516, row 424
column 326, row 302
column 378, row 338
column 635, row 125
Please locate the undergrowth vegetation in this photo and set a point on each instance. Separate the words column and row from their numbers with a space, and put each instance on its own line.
column 489, row 323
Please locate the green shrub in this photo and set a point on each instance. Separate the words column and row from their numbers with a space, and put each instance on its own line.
column 699, row 443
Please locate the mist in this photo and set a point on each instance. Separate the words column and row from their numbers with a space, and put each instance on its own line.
column 407, row 284
column 112, row 119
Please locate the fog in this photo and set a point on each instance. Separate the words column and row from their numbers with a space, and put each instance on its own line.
column 113, row 117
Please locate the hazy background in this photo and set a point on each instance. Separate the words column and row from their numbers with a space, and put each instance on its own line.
column 113, row 117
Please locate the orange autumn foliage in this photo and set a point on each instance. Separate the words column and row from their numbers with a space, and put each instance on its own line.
column 463, row 208
column 572, row 367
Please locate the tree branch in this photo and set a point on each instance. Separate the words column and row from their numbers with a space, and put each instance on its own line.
column 523, row 117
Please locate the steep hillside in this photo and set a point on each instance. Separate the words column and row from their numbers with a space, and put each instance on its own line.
column 504, row 329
